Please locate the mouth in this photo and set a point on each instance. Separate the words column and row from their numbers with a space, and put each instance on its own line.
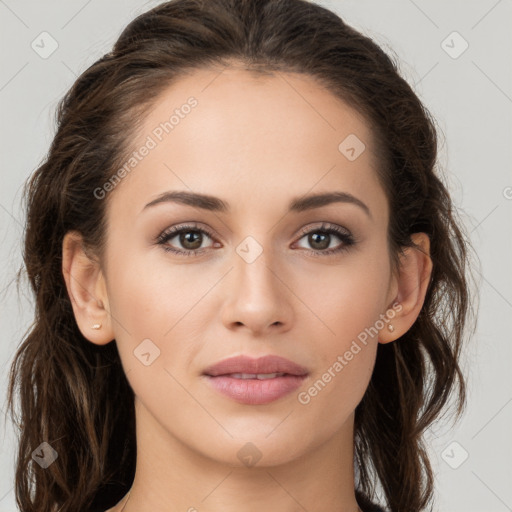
column 259, row 389
column 248, row 367
column 259, row 376
column 255, row 381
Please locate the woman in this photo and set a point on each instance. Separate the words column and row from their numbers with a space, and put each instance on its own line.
column 250, row 280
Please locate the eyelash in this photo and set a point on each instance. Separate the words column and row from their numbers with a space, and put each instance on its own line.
column 326, row 228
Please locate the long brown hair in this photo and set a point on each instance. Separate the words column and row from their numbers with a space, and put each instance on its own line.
column 74, row 395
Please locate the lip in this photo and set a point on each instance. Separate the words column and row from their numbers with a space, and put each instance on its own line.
column 255, row 391
column 246, row 364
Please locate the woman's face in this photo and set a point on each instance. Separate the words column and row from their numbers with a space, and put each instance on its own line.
column 259, row 285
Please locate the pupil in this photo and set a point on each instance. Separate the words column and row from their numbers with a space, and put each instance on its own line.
column 324, row 243
column 188, row 238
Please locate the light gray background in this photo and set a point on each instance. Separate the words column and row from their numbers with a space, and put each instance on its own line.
column 471, row 97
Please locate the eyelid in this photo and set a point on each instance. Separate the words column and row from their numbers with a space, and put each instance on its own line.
column 192, row 226
column 323, row 226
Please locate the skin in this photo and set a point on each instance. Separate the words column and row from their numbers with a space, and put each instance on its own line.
column 256, row 143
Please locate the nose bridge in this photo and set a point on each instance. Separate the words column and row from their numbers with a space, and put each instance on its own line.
column 257, row 297
column 254, row 274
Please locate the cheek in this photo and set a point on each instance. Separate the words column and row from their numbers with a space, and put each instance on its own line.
column 149, row 297
column 152, row 310
column 339, row 382
column 347, row 302
column 344, row 300
column 159, row 313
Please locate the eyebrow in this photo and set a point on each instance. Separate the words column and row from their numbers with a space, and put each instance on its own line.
column 215, row 204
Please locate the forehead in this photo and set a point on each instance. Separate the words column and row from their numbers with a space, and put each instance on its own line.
column 222, row 130
column 247, row 110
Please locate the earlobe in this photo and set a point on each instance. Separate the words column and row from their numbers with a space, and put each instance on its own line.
column 412, row 284
column 86, row 288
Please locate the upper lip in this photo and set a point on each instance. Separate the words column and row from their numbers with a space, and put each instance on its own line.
column 246, row 364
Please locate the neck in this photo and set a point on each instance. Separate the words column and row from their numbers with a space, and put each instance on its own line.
column 171, row 476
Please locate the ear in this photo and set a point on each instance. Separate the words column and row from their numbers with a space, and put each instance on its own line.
column 411, row 285
column 86, row 289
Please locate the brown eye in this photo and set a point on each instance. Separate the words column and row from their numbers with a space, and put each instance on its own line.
column 320, row 239
column 189, row 240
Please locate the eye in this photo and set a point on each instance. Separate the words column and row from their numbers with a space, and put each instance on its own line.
column 320, row 239
column 190, row 237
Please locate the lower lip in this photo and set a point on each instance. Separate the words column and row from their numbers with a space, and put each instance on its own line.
column 256, row 391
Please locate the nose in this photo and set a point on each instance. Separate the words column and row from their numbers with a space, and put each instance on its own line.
column 258, row 297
